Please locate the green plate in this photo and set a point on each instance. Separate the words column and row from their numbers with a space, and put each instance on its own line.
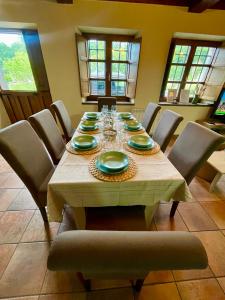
column 133, row 129
column 92, row 116
column 88, row 124
column 84, row 142
column 140, row 148
column 104, row 170
column 125, row 116
column 113, row 161
column 88, row 128
column 141, row 141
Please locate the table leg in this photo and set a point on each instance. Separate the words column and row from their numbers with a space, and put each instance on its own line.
column 79, row 217
column 214, row 182
column 149, row 213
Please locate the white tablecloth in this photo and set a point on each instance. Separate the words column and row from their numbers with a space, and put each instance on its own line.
column 156, row 179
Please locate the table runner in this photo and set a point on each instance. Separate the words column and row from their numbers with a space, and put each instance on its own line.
column 156, row 180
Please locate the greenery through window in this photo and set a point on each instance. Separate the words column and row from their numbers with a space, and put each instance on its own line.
column 188, row 66
column 108, row 65
column 15, row 68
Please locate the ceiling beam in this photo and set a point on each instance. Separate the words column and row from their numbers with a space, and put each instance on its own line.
column 198, row 6
column 65, row 1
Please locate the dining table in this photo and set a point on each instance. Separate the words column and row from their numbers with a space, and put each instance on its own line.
column 155, row 180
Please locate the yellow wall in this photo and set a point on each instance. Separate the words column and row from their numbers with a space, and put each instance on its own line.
column 57, row 24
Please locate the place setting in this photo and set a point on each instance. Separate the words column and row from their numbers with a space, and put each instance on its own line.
column 89, row 124
column 83, row 145
column 132, row 126
column 142, row 145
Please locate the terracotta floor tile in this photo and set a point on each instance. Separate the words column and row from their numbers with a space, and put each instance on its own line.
column 221, row 281
column 12, row 181
column 195, row 217
column 113, row 294
column 25, row 273
column 214, row 243
column 159, row 277
column 216, row 210
column 7, row 196
column 166, row 291
column 77, row 296
column 97, row 284
column 13, row 225
column 6, row 252
column 200, row 190
column 37, row 230
column 180, row 275
column 5, row 167
column 164, row 222
column 219, row 189
column 205, row 289
column 61, row 282
column 3, row 178
column 23, row 200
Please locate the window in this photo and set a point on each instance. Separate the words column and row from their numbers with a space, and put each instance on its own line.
column 15, row 69
column 189, row 65
column 108, row 66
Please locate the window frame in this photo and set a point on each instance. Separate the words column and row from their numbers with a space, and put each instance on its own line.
column 109, row 38
column 187, row 66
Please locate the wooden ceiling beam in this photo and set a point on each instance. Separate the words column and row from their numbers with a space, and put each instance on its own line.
column 198, row 6
column 65, row 1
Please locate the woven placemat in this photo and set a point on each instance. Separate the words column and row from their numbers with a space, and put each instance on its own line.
column 155, row 150
column 136, row 132
column 70, row 149
column 129, row 173
column 88, row 132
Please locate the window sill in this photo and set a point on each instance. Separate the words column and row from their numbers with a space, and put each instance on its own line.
column 185, row 104
column 131, row 102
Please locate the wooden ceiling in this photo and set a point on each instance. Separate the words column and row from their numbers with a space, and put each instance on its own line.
column 194, row 6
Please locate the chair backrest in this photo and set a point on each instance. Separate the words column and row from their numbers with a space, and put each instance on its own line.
column 166, row 127
column 149, row 115
column 46, row 127
column 192, row 149
column 64, row 118
column 106, row 101
column 155, row 251
column 26, row 154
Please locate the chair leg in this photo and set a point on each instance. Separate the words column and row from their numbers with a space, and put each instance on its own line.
column 85, row 282
column 138, row 285
column 44, row 214
column 173, row 208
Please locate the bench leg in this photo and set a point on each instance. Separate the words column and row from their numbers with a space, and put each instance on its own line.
column 85, row 282
column 138, row 285
column 43, row 214
column 173, row 208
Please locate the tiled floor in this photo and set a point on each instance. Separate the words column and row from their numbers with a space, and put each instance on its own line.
column 24, row 245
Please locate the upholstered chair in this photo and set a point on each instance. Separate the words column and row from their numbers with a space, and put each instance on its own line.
column 26, row 154
column 64, row 118
column 124, row 254
column 166, row 127
column 47, row 129
column 191, row 150
column 149, row 116
column 106, row 101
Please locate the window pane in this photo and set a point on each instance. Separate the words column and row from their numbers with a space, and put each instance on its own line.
column 176, row 73
column 192, row 88
column 98, row 87
column 171, row 85
column 15, row 69
column 198, row 74
column 118, row 88
column 96, row 49
column 204, row 55
column 97, row 69
column 181, row 54
column 119, row 71
column 120, row 51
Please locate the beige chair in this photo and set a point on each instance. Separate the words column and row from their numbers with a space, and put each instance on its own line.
column 191, row 150
column 166, row 127
column 106, row 101
column 149, row 116
column 124, row 254
column 45, row 126
column 64, row 119
column 26, row 154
